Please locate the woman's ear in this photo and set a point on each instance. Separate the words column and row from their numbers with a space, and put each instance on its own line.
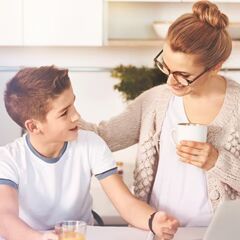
column 32, row 126
column 217, row 67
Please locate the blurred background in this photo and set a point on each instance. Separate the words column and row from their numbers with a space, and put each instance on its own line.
column 92, row 38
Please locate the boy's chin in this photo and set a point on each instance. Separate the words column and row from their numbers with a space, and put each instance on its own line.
column 73, row 136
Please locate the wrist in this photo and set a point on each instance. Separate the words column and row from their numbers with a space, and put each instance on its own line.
column 150, row 222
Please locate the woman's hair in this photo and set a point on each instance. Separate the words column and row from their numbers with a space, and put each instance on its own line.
column 29, row 93
column 202, row 33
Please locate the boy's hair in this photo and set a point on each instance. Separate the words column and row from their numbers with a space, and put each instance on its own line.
column 202, row 33
column 29, row 93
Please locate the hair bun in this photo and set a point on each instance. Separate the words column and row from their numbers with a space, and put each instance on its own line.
column 208, row 12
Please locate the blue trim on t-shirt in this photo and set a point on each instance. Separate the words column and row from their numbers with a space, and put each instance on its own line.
column 107, row 173
column 45, row 159
column 8, row 182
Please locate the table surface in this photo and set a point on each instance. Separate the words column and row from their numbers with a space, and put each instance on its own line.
column 130, row 233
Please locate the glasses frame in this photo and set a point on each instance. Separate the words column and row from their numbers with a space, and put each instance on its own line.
column 175, row 72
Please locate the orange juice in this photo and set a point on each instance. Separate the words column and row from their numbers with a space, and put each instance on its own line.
column 71, row 236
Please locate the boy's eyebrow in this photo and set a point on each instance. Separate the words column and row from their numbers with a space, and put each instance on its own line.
column 64, row 109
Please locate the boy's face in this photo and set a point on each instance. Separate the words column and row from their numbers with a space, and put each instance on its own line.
column 61, row 120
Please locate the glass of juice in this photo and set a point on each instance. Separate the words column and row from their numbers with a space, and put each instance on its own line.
column 71, row 230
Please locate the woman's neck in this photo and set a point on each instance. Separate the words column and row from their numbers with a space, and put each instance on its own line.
column 214, row 86
column 204, row 105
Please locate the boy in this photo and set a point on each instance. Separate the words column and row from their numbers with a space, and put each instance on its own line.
column 45, row 175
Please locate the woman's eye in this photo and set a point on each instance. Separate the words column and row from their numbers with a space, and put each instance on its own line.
column 185, row 76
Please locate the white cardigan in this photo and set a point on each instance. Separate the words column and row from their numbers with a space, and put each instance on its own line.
column 141, row 123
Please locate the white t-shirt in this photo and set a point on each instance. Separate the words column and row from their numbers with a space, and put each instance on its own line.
column 180, row 189
column 53, row 190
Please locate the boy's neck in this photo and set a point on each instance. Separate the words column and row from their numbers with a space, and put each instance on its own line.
column 46, row 149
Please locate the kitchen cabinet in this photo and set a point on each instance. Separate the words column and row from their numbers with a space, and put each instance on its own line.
column 51, row 23
column 63, row 22
column 130, row 23
column 11, row 22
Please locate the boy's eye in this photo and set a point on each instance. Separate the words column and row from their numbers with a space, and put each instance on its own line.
column 65, row 113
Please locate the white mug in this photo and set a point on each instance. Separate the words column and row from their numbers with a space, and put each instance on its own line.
column 190, row 132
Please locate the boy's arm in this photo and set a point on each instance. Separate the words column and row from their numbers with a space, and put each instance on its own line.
column 11, row 226
column 135, row 211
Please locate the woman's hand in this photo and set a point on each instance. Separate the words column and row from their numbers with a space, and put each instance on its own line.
column 202, row 155
column 49, row 236
column 164, row 226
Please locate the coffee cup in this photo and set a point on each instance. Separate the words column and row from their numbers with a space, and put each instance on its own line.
column 190, row 132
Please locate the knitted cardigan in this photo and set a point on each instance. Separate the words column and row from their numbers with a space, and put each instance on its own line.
column 141, row 123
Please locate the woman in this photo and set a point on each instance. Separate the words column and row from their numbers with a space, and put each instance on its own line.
column 190, row 188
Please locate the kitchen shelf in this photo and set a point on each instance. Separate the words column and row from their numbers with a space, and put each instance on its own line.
column 177, row 1
column 134, row 43
column 145, row 1
column 144, row 43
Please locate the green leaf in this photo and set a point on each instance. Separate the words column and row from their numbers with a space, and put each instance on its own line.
column 135, row 80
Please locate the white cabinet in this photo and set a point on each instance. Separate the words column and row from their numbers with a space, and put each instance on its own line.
column 11, row 22
column 63, row 22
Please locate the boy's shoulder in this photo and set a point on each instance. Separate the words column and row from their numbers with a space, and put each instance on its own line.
column 89, row 138
column 13, row 149
column 87, row 135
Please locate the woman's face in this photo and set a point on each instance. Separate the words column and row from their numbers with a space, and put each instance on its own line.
column 186, row 68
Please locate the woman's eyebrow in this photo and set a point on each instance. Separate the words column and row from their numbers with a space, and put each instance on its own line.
column 178, row 72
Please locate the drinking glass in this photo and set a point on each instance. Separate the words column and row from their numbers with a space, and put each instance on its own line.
column 71, row 230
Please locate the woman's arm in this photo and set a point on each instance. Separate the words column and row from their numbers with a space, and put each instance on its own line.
column 227, row 169
column 120, row 131
column 137, row 212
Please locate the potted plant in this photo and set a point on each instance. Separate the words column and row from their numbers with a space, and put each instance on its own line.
column 135, row 80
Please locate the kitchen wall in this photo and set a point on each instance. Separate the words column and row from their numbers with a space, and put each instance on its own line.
column 89, row 84
column 96, row 99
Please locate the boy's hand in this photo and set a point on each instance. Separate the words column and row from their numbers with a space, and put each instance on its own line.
column 164, row 226
column 49, row 236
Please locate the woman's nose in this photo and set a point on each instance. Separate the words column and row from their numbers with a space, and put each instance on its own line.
column 171, row 80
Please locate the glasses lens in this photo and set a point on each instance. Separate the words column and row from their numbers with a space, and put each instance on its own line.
column 180, row 79
column 162, row 68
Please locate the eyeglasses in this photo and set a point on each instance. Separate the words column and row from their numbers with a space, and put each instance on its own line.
column 177, row 75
